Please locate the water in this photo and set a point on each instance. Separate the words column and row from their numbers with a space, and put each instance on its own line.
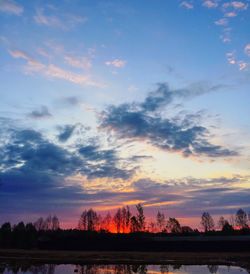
column 120, row 269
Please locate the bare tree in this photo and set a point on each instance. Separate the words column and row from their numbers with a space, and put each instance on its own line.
column 106, row 222
column 221, row 222
column 82, row 224
column 134, row 226
column 152, row 227
column 88, row 220
column 55, row 223
column 40, row 224
column 48, row 223
column 241, row 219
column 160, row 221
column 140, row 217
column 118, row 220
column 207, row 222
column 125, row 219
column 128, row 217
column 173, row 225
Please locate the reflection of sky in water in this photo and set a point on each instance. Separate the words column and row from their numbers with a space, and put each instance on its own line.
column 122, row 269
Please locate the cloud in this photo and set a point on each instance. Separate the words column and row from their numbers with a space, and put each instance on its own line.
column 19, row 54
column 80, row 62
column 53, row 71
column 143, row 122
column 64, row 22
column 210, row 4
column 232, row 60
column 70, row 101
column 26, row 153
column 221, row 22
column 11, row 7
column 117, row 63
column 41, row 113
column 247, row 49
column 226, row 35
column 230, row 14
column 243, row 65
column 164, row 95
column 65, row 132
column 187, row 5
column 238, row 5
column 217, row 195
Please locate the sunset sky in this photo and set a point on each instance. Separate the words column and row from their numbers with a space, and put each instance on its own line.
column 108, row 103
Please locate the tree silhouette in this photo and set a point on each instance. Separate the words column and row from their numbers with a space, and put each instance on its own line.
column 173, row 225
column 241, row 219
column 160, row 221
column 134, row 226
column 140, row 218
column 88, row 220
column 118, row 220
column 207, row 222
column 221, row 222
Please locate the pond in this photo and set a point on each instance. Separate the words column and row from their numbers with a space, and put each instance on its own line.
column 119, row 269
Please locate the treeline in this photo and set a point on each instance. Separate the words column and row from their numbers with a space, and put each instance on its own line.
column 125, row 230
column 123, row 221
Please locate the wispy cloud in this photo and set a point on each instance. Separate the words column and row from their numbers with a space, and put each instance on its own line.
column 11, row 7
column 210, row 4
column 221, row 22
column 187, row 5
column 243, row 65
column 231, row 14
column 232, row 60
column 53, row 71
column 41, row 113
column 78, row 62
column 238, row 5
column 247, row 49
column 62, row 21
column 118, row 63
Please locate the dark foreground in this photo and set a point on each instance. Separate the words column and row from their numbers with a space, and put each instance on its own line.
column 105, row 257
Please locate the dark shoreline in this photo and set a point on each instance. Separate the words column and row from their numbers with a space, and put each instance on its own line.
column 108, row 257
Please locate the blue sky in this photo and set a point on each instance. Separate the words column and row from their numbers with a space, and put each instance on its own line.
column 105, row 103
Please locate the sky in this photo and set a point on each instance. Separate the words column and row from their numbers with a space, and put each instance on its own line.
column 112, row 103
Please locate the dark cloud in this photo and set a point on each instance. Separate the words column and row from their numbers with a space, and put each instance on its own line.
column 71, row 101
column 164, row 95
column 26, row 152
column 65, row 132
column 143, row 121
column 41, row 113
column 36, row 173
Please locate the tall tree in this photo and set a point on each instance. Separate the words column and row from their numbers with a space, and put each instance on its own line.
column 160, row 221
column 173, row 225
column 92, row 220
column 207, row 222
column 40, row 224
column 128, row 217
column 88, row 220
column 106, row 223
column 55, row 223
column 221, row 222
column 82, row 224
column 140, row 218
column 241, row 219
column 118, row 220
column 134, row 226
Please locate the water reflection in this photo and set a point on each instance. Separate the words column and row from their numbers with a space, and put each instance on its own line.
column 118, row 269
